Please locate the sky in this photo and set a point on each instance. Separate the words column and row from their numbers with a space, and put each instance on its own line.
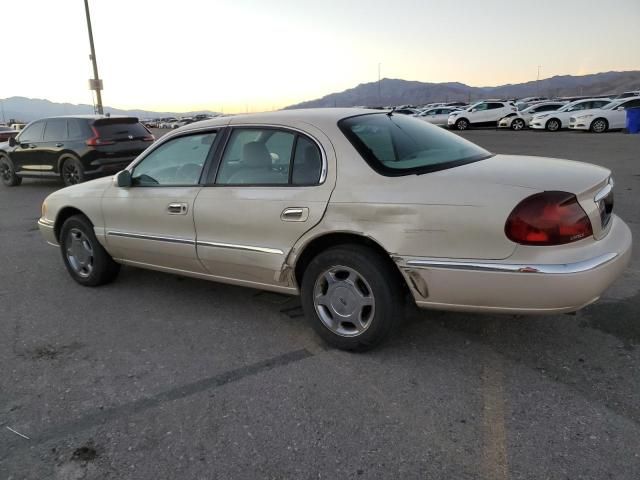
column 256, row 55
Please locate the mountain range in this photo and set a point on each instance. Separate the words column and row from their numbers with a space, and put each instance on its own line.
column 392, row 91
column 27, row 109
column 388, row 91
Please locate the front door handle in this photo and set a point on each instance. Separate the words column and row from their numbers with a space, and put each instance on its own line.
column 295, row 214
column 59, row 145
column 177, row 208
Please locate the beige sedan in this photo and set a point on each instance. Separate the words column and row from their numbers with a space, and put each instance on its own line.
column 354, row 210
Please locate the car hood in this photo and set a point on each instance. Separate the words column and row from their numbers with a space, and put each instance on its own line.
column 538, row 173
column 91, row 188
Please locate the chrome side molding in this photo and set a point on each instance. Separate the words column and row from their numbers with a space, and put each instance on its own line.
column 155, row 238
column 248, row 248
column 553, row 269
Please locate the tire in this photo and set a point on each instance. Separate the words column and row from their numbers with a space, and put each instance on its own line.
column 462, row 124
column 86, row 260
column 599, row 125
column 71, row 171
column 517, row 124
column 553, row 125
column 8, row 173
column 356, row 285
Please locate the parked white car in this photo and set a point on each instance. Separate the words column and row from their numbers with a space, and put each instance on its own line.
column 612, row 116
column 522, row 118
column 353, row 210
column 437, row 116
column 486, row 113
column 554, row 121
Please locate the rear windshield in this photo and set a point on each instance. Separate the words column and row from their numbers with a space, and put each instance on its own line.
column 120, row 130
column 400, row 145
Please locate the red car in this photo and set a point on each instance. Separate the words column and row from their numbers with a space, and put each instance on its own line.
column 6, row 133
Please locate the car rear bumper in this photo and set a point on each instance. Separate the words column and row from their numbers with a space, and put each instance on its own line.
column 520, row 288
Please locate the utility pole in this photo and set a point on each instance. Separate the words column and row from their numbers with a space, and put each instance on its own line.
column 96, row 84
column 538, row 81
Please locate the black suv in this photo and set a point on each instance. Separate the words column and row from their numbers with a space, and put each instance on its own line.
column 74, row 148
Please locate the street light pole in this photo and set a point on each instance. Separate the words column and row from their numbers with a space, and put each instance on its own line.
column 97, row 83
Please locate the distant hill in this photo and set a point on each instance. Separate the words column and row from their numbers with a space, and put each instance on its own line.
column 401, row 92
column 28, row 109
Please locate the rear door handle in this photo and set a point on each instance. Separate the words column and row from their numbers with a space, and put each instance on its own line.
column 295, row 214
column 177, row 208
column 59, row 144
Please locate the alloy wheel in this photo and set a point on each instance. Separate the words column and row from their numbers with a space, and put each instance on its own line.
column 5, row 172
column 517, row 124
column 599, row 126
column 79, row 252
column 344, row 301
column 553, row 125
column 70, row 173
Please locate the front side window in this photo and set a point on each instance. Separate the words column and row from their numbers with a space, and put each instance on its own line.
column 177, row 162
column 493, row 106
column 55, row 130
column 397, row 145
column 32, row 133
column 480, row 107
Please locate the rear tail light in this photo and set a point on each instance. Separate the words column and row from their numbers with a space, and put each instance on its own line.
column 96, row 141
column 548, row 218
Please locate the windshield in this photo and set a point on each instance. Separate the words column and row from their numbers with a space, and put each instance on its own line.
column 399, row 145
column 611, row 105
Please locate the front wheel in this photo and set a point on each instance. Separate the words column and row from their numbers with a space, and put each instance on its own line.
column 553, row 125
column 462, row 124
column 517, row 124
column 599, row 125
column 352, row 297
column 87, row 261
column 8, row 174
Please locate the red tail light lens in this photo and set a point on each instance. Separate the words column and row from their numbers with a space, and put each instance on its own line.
column 548, row 218
column 96, row 141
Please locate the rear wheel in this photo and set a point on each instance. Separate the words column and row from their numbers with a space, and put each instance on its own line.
column 352, row 297
column 7, row 173
column 517, row 124
column 462, row 124
column 87, row 261
column 599, row 125
column 72, row 171
column 553, row 125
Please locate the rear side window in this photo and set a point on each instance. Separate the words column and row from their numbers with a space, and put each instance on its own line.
column 307, row 163
column 32, row 133
column 77, row 128
column 493, row 106
column 632, row 104
column 55, row 130
column 398, row 145
column 126, row 130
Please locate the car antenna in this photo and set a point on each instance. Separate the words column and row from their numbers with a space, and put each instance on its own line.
column 390, row 112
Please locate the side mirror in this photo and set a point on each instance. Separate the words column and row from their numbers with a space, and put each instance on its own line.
column 620, row 109
column 12, row 141
column 474, row 110
column 123, row 179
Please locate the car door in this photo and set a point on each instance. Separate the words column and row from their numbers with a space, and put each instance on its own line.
column 26, row 154
column 495, row 111
column 151, row 222
column 271, row 186
column 619, row 117
column 440, row 116
column 54, row 140
column 479, row 113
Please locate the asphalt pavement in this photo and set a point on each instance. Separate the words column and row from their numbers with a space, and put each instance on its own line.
column 161, row 377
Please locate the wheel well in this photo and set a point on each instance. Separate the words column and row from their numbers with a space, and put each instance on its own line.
column 62, row 217
column 330, row 240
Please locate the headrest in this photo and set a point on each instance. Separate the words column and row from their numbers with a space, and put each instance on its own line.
column 256, row 155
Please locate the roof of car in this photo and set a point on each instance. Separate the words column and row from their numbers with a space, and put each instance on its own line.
column 88, row 117
column 313, row 116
